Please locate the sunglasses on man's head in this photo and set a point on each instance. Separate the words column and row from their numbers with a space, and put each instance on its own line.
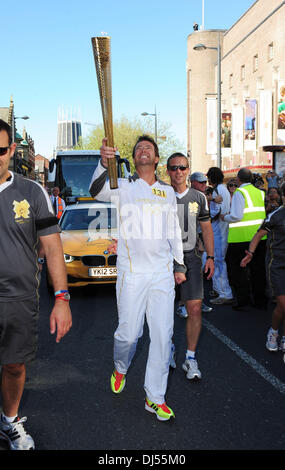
column 176, row 167
column 4, row 150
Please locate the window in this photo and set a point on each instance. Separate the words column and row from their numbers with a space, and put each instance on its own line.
column 270, row 51
column 242, row 72
column 255, row 63
column 231, row 80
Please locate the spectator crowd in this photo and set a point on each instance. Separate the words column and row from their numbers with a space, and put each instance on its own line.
column 248, row 222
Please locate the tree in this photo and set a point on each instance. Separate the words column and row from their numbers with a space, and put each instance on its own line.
column 126, row 133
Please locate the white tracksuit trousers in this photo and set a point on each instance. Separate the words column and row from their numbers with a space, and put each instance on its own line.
column 140, row 294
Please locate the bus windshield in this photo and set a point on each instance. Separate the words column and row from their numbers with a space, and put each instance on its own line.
column 76, row 174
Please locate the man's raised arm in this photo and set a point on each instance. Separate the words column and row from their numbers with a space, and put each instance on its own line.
column 99, row 187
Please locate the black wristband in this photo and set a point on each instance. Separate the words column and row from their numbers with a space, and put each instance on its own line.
column 211, row 257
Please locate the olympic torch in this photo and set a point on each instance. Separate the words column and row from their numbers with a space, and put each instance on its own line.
column 102, row 57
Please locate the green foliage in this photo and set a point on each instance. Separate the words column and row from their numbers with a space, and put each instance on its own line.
column 126, row 133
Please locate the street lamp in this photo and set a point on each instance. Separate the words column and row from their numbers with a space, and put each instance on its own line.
column 22, row 117
column 155, row 121
column 202, row 47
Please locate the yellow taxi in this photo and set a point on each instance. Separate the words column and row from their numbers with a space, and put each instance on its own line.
column 87, row 231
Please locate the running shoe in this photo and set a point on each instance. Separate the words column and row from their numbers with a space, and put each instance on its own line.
column 191, row 367
column 205, row 308
column 16, row 435
column 282, row 344
column 163, row 412
column 173, row 357
column 118, row 382
column 182, row 312
column 272, row 341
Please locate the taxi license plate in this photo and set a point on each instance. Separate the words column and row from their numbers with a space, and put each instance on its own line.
column 102, row 272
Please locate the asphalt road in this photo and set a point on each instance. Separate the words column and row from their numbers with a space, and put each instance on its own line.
column 238, row 404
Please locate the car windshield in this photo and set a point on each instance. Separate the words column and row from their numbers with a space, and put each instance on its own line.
column 95, row 218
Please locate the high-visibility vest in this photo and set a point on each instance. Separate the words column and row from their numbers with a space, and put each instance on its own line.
column 253, row 215
column 59, row 207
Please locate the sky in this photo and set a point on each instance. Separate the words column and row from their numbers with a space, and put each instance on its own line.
column 47, row 61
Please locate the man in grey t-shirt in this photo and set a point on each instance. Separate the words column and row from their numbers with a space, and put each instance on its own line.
column 192, row 210
column 26, row 218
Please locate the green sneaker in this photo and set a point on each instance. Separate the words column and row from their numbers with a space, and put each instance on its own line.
column 163, row 412
column 118, row 382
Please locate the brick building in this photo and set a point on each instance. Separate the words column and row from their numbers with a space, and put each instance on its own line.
column 41, row 169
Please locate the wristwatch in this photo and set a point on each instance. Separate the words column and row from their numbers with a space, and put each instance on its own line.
column 211, row 257
column 62, row 294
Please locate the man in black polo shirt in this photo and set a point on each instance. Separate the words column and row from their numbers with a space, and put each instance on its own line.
column 193, row 211
column 26, row 217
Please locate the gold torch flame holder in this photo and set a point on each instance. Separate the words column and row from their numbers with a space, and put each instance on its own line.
column 102, row 57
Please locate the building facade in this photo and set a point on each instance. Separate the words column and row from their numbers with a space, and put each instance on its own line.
column 68, row 134
column 23, row 161
column 41, row 169
column 252, row 83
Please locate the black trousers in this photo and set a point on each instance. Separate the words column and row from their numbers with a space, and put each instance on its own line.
column 248, row 284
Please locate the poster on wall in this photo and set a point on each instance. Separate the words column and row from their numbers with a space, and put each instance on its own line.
column 250, row 124
column 279, row 163
column 237, row 130
column 211, row 126
column 265, row 118
column 226, row 134
column 281, row 112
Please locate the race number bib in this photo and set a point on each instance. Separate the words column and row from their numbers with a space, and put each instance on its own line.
column 158, row 192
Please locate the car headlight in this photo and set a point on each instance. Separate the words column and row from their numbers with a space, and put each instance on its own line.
column 68, row 258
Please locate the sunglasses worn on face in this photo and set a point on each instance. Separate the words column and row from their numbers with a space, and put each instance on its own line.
column 232, row 185
column 176, row 167
column 3, row 150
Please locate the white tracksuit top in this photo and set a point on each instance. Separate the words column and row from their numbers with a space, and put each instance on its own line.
column 149, row 232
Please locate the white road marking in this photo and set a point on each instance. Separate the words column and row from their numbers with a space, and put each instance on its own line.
column 262, row 371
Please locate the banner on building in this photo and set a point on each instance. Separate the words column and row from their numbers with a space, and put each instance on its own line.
column 281, row 112
column 226, row 134
column 226, row 130
column 237, row 130
column 250, row 124
column 211, row 126
column 280, row 164
column 265, row 118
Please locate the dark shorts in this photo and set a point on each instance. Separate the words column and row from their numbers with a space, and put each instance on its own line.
column 275, row 269
column 192, row 288
column 18, row 331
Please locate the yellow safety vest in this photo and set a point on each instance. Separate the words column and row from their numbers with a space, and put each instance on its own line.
column 253, row 215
